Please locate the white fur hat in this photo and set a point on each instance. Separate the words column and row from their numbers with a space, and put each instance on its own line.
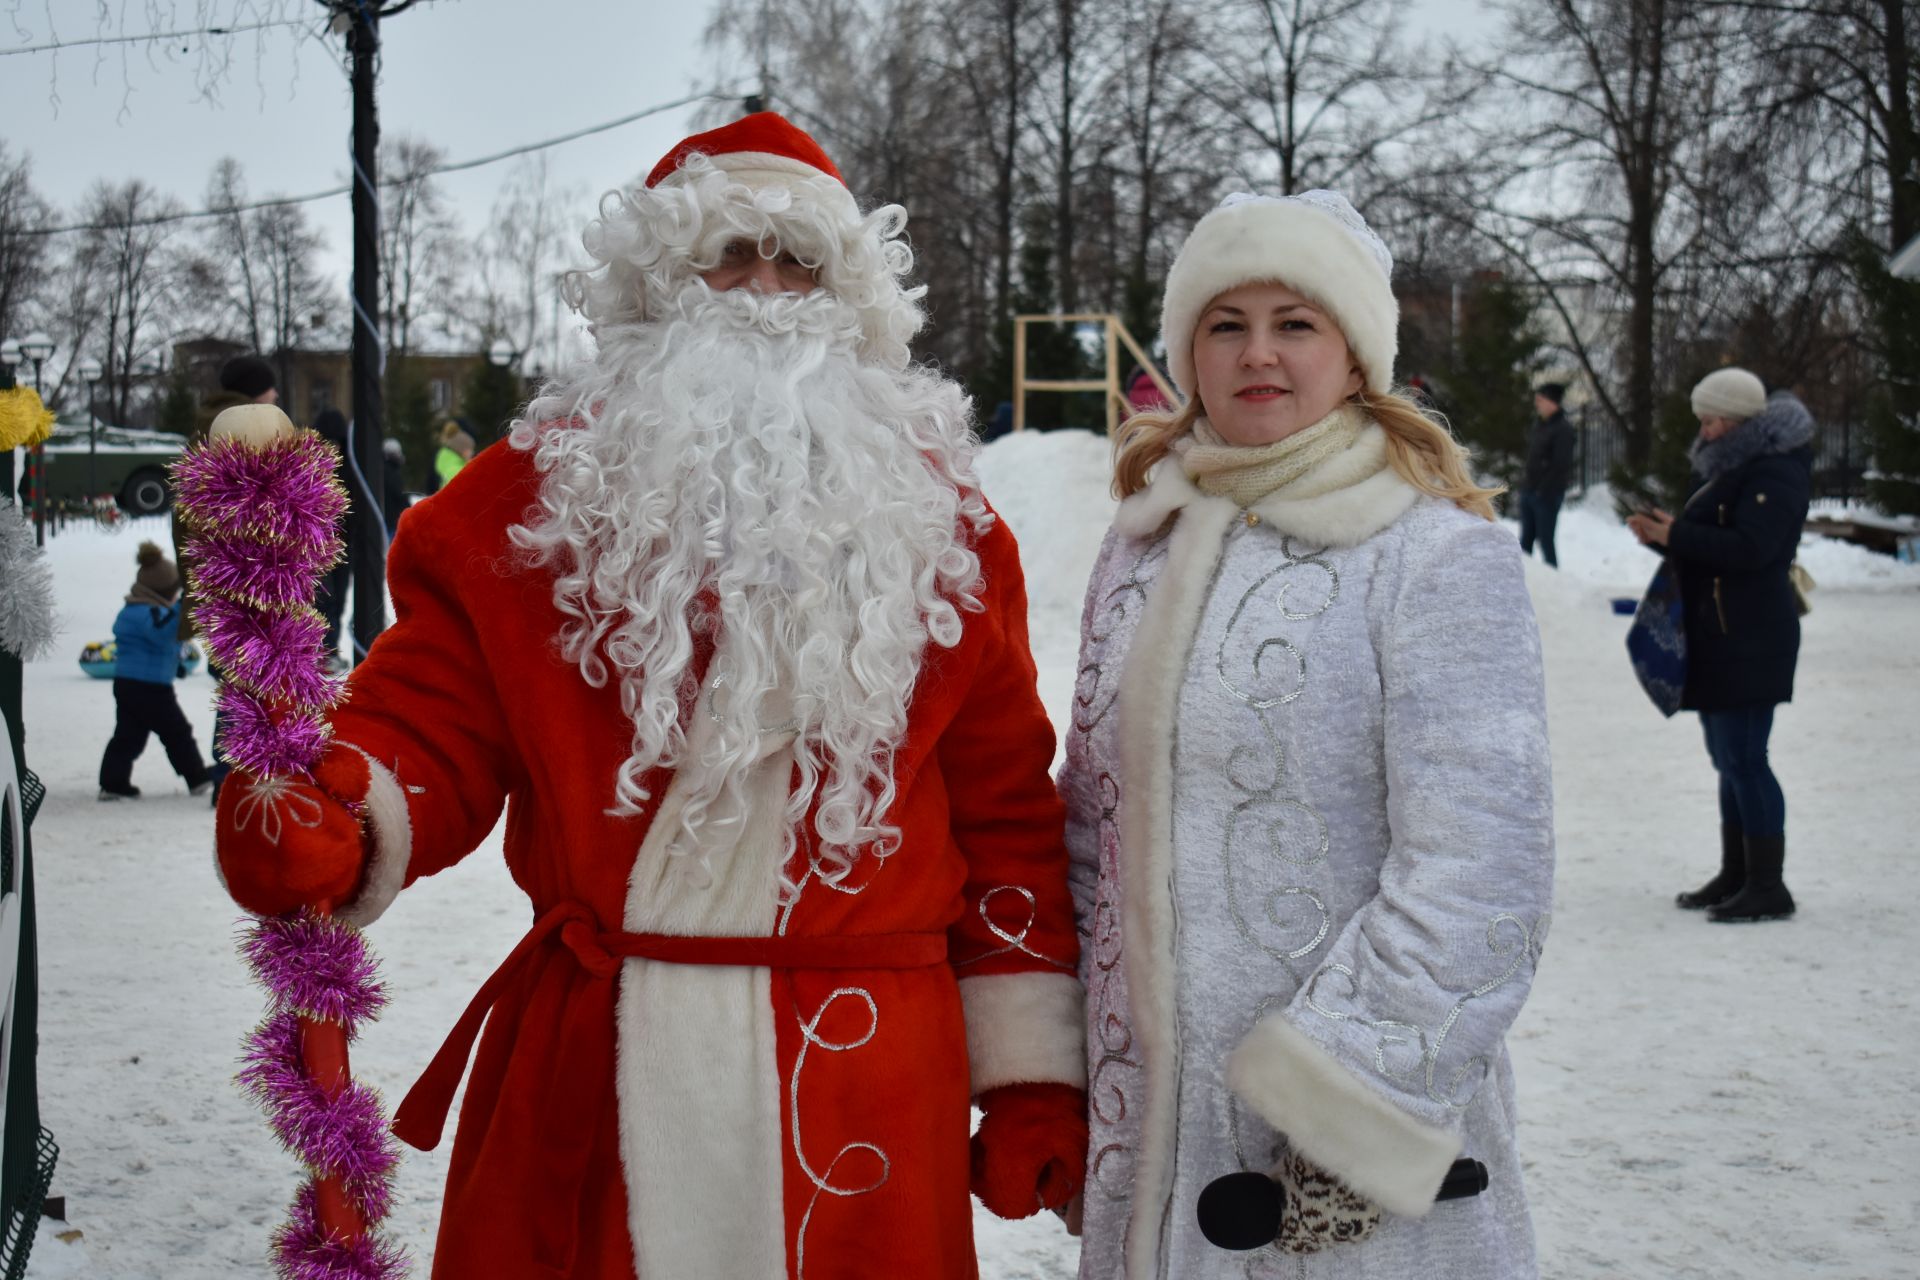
column 1730, row 393
column 1316, row 244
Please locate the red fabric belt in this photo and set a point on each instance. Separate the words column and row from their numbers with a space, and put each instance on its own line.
column 581, row 1071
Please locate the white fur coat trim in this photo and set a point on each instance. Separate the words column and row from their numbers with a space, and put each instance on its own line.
column 1148, row 701
column 697, row 1077
column 1337, row 1122
column 1025, row 1028
column 1373, row 495
column 391, row 832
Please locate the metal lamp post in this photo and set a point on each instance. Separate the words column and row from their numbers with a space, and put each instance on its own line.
column 89, row 371
column 9, row 360
column 37, row 346
column 501, row 355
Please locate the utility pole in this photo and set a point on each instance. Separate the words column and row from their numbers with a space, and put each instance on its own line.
column 360, row 19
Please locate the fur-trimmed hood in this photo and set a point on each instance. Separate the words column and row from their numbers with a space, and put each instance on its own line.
column 1783, row 426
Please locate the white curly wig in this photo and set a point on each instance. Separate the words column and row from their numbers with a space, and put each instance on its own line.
column 648, row 241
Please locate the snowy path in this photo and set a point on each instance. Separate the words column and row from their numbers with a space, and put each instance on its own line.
column 1696, row 1101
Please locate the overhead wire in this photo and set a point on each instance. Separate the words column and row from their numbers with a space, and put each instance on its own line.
column 431, row 171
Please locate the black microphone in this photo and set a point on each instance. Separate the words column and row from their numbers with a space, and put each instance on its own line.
column 1243, row 1210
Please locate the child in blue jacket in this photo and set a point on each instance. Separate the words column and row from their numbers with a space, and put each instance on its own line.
column 146, row 658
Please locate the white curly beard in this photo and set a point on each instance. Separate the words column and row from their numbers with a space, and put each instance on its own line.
column 735, row 464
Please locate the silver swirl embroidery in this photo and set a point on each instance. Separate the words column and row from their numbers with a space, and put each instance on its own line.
column 1093, row 698
column 1289, row 922
column 266, row 798
column 1507, row 935
column 1015, row 939
column 872, row 859
column 1248, row 598
column 823, row 1183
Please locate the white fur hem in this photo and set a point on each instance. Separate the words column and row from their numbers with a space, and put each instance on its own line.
column 1337, row 1122
column 1168, row 490
column 698, row 1076
column 1148, row 704
column 1025, row 1028
column 392, row 846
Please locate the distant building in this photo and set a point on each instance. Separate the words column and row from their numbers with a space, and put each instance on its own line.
column 313, row 379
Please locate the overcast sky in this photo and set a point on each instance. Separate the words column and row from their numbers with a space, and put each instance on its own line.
column 471, row 76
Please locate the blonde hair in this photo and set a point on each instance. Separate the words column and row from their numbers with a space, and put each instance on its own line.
column 1419, row 447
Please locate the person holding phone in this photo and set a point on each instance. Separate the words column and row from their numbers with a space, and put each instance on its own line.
column 1732, row 546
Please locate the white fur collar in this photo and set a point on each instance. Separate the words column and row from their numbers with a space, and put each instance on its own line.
column 1344, row 517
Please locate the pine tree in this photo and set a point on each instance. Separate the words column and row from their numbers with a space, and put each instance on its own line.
column 1488, row 379
column 1893, row 414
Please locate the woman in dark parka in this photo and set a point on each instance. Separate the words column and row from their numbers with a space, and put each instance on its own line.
column 1731, row 546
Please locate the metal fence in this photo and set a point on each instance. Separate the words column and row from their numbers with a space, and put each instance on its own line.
column 1842, row 454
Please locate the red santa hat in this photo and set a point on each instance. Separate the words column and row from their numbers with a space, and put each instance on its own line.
column 763, row 149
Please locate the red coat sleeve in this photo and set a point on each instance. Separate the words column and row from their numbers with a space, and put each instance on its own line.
column 1014, row 948
column 423, row 708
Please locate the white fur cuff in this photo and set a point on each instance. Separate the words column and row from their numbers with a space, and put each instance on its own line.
column 1025, row 1028
column 1338, row 1123
column 392, row 833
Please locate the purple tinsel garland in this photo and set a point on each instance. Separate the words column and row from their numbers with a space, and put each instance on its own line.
column 346, row 1135
column 302, row 1251
column 285, row 491
column 262, row 522
column 316, row 968
column 258, row 572
column 255, row 740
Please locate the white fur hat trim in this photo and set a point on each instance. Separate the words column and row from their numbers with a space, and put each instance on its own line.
column 758, row 170
column 1314, row 243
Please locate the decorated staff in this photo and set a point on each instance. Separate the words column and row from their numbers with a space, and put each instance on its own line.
column 263, row 505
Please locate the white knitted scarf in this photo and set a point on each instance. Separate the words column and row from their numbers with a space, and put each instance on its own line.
column 1299, row 463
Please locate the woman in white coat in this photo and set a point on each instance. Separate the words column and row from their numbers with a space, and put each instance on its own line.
column 1308, row 787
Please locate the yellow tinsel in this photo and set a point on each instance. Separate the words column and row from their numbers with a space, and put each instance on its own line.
column 23, row 419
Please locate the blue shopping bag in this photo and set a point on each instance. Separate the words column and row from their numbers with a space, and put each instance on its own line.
column 1657, row 641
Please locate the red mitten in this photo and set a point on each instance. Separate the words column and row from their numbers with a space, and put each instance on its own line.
column 1031, row 1151
column 287, row 843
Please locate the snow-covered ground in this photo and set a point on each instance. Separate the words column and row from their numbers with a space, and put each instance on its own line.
column 1696, row 1101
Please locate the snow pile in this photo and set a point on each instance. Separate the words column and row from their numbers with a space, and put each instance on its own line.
column 1594, row 546
column 1051, row 487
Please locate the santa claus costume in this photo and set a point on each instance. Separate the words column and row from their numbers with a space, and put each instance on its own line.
column 730, row 632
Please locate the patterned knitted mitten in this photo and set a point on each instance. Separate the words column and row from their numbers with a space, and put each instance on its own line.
column 1321, row 1210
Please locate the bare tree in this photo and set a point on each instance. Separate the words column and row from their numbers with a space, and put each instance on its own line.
column 1620, row 97
column 420, row 248
column 519, row 256
column 1163, row 128
column 23, row 246
column 1312, row 81
column 225, row 276
column 133, row 263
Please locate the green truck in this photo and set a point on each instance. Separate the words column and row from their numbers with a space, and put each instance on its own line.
column 128, row 464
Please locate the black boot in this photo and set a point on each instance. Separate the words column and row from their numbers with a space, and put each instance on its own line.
column 1765, row 896
column 1733, row 873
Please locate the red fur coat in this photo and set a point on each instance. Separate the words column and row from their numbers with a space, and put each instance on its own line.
column 804, row 1117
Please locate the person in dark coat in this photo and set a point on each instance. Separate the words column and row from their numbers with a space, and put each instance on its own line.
column 330, row 596
column 146, row 659
column 393, row 484
column 1732, row 547
column 1543, row 484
